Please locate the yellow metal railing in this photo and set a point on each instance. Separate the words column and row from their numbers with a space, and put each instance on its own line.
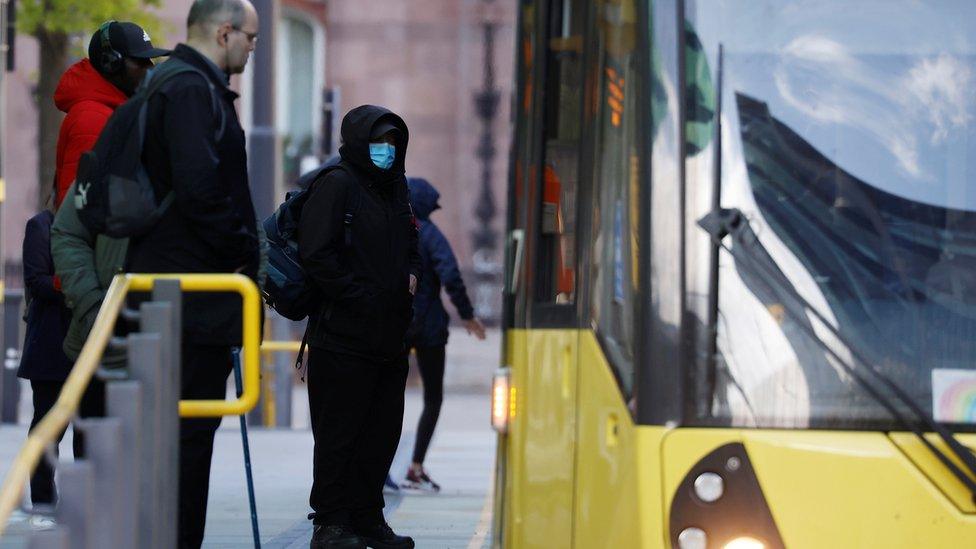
column 281, row 346
column 48, row 429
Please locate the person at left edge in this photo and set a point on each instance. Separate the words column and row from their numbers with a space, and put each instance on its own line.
column 198, row 152
column 119, row 54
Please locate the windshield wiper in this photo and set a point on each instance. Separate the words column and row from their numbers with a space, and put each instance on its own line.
column 749, row 252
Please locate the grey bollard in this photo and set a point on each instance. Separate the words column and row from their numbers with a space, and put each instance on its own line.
column 157, row 318
column 55, row 538
column 103, row 449
column 284, row 366
column 124, row 401
column 145, row 366
column 76, row 490
column 9, row 384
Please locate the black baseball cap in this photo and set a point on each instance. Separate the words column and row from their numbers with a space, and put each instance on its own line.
column 129, row 39
column 381, row 127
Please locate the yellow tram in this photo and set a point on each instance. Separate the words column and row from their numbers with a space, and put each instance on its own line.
column 741, row 276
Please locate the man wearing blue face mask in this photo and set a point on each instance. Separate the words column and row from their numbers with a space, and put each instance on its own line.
column 357, row 238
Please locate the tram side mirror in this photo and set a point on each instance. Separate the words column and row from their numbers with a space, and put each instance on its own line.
column 722, row 222
column 516, row 241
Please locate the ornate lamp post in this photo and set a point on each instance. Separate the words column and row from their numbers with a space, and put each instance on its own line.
column 485, row 238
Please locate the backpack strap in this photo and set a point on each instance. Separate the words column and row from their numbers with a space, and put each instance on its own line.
column 174, row 67
column 301, row 351
column 153, row 81
column 353, row 201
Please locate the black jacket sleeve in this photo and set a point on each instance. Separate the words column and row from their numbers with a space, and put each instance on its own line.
column 38, row 264
column 445, row 266
column 321, row 237
column 189, row 125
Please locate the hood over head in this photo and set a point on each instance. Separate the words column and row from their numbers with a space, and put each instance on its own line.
column 81, row 82
column 357, row 126
column 423, row 197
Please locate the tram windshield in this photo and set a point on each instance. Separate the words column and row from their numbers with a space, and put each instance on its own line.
column 849, row 143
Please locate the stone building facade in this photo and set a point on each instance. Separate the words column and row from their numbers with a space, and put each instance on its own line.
column 421, row 58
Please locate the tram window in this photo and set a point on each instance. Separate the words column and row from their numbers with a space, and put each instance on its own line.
column 616, row 240
column 848, row 147
column 556, row 281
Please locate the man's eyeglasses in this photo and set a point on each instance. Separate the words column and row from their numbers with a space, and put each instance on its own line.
column 252, row 37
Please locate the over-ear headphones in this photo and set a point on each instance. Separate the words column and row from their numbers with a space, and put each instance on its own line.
column 111, row 61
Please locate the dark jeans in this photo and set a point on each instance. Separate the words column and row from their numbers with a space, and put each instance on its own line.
column 430, row 360
column 356, row 407
column 204, row 376
column 44, row 395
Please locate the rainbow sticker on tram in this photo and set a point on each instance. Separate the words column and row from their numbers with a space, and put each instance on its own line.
column 954, row 395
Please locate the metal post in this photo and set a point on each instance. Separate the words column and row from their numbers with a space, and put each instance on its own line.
column 145, row 364
column 56, row 538
column 9, row 385
column 7, row 33
column 485, row 238
column 103, row 448
column 263, row 154
column 75, row 509
column 284, row 373
column 157, row 318
column 124, row 401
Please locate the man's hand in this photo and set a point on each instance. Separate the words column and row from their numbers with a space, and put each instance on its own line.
column 475, row 328
column 413, row 285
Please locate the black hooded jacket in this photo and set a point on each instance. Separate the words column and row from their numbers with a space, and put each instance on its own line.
column 368, row 305
column 211, row 226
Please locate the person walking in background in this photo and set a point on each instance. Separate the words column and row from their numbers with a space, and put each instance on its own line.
column 428, row 331
column 195, row 149
column 357, row 239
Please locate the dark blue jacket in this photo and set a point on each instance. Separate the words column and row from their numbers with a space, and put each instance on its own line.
column 439, row 268
column 47, row 317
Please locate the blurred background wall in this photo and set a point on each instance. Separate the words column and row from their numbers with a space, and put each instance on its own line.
column 444, row 65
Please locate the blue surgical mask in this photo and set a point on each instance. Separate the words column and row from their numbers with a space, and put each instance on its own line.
column 382, row 154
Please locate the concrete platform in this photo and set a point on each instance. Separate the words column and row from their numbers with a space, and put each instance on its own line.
column 460, row 459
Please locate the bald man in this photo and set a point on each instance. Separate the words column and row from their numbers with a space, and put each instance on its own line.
column 195, row 153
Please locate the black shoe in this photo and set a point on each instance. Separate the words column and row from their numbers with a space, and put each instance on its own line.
column 332, row 536
column 381, row 536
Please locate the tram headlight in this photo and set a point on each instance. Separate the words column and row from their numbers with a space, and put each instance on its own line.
column 719, row 503
column 502, row 400
column 692, row 538
column 709, row 487
column 745, row 543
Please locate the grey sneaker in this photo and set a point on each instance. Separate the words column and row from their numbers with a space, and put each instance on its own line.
column 420, row 482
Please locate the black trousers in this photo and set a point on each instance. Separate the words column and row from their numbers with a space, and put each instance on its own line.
column 204, row 376
column 356, row 407
column 430, row 361
column 44, row 395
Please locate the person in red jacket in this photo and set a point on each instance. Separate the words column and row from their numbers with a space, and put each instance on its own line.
column 89, row 91
column 119, row 54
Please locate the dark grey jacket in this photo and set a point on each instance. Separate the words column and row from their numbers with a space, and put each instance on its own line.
column 85, row 264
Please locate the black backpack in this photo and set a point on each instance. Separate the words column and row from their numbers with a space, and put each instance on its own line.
column 287, row 288
column 113, row 193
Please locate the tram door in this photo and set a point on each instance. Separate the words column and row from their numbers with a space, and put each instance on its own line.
column 544, row 516
column 613, row 249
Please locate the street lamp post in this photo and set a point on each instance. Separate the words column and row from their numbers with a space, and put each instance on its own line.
column 485, row 238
